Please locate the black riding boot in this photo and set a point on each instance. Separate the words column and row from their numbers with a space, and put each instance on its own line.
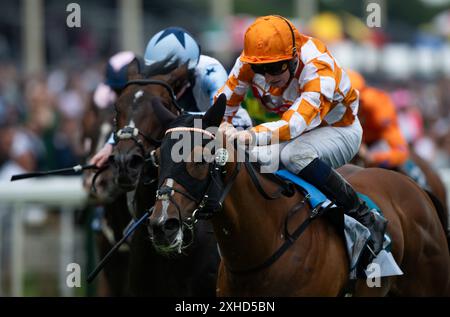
column 338, row 190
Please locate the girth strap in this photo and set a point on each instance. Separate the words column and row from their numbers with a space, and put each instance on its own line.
column 290, row 239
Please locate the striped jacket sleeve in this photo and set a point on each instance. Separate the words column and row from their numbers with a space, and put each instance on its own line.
column 317, row 84
column 236, row 87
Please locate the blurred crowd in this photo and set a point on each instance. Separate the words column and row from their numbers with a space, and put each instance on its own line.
column 423, row 110
column 40, row 116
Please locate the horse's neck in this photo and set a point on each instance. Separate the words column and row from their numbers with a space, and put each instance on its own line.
column 249, row 229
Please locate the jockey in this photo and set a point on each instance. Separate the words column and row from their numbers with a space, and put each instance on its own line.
column 116, row 78
column 207, row 75
column 384, row 143
column 387, row 148
column 297, row 77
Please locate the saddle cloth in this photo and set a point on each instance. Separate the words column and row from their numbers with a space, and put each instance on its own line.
column 356, row 235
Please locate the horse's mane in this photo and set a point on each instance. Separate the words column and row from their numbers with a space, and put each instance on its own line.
column 163, row 67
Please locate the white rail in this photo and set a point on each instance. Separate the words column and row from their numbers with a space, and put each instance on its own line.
column 64, row 192
column 67, row 193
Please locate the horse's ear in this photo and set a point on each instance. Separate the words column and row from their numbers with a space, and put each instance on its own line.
column 164, row 116
column 134, row 70
column 213, row 117
column 178, row 78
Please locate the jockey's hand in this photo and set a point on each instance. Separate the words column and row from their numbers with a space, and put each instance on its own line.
column 102, row 156
column 228, row 130
column 231, row 133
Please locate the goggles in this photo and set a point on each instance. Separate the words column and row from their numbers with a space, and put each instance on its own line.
column 273, row 69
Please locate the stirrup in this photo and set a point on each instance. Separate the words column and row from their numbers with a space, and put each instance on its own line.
column 380, row 225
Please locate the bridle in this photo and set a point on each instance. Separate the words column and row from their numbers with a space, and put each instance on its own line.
column 133, row 133
column 211, row 202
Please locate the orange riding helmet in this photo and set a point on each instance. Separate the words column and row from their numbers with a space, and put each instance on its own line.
column 269, row 39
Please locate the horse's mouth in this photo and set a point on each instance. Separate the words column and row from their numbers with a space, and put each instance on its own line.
column 163, row 240
column 127, row 186
column 170, row 246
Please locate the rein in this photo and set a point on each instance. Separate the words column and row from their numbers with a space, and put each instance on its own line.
column 208, row 206
column 132, row 133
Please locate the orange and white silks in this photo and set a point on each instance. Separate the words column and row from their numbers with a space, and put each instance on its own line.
column 319, row 93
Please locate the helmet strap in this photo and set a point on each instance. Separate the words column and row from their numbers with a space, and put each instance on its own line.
column 292, row 66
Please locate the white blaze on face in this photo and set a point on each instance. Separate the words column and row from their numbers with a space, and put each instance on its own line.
column 165, row 202
column 131, row 124
column 138, row 95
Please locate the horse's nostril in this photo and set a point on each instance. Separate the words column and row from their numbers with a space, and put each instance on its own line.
column 154, row 229
column 171, row 224
column 135, row 161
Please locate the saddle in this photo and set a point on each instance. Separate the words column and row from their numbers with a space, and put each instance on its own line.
column 352, row 232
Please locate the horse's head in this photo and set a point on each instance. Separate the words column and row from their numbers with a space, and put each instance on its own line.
column 188, row 174
column 143, row 111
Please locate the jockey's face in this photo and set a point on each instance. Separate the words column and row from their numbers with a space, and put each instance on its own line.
column 276, row 74
column 278, row 80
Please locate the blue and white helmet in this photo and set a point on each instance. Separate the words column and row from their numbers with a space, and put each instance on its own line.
column 174, row 41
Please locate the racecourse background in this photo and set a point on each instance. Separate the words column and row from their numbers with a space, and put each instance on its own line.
column 48, row 72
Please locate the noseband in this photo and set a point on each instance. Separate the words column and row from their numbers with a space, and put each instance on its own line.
column 215, row 193
column 210, row 204
column 132, row 133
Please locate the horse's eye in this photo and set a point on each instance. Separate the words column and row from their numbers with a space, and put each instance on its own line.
column 197, row 170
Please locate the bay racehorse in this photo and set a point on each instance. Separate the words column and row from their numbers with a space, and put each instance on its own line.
column 107, row 202
column 255, row 234
column 434, row 186
column 436, row 190
column 141, row 112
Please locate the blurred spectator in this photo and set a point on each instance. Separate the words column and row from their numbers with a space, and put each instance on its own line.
column 409, row 116
column 20, row 158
